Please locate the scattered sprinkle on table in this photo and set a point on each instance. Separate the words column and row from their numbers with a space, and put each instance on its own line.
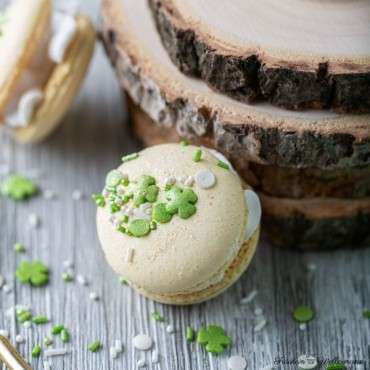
column 40, row 320
column 68, row 264
column 223, row 165
column 142, row 342
column 303, row 326
column 118, row 345
column 34, row 221
column 155, row 357
column 113, row 353
column 259, row 326
column 258, row 311
column 129, row 157
column 197, row 156
column 82, row 280
column 141, row 363
column 67, row 277
column 65, row 336
column 336, row 366
column 303, row 314
column 205, row 179
column 122, row 281
column 19, row 248
column 36, row 351
column 47, row 365
column 157, row 317
column 77, row 195
column 213, row 338
column 366, row 314
column 170, row 329
column 48, row 341
column 94, row 296
column 18, row 188
column 7, row 289
column 307, row 362
column 24, row 315
column 95, row 346
column 35, row 273
column 236, row 363
column 20, row 339
column 250, row 297
column 190, row 334
column 53, row 352
column 57, row 329
column 49, row 194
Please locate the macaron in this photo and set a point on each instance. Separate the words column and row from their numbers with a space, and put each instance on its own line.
column 178, row 223
column 44, row 56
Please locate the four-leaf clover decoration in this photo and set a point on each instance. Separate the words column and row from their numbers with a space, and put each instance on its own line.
column 147, row 190
column 213, row 338
column 18, row 187
column 34, row 273
column 181, row 201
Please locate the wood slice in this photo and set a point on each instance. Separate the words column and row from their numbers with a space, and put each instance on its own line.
column 297, row 54
column 259, row 133
column 271, row 180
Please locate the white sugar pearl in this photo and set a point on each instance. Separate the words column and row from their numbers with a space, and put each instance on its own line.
column 141, row 363
column 170, row 329
column 205, row 179
column 236, row 363
column 118, row 346
column 49, row 194
column 7, row 289
column 82, row 280
column 34, row 221
column 306, row 362
column 143, row 342
column 94, row 296
column 20, row 339
column 113, row 352
column 4, row 333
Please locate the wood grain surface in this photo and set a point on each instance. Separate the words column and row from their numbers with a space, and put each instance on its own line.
column 76, row 157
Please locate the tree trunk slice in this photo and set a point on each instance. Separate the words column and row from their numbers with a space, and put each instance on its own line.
column 270, row 180
column 297, row 55
column 318, row 223
column 258, row 133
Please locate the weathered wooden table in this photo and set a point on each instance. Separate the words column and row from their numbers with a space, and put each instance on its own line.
column 77, row 157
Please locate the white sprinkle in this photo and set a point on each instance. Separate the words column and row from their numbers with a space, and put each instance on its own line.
column 189, row 181
column 113, row 352
column 2, row 281
column 171, row 180
column 130, row 255
column 55, row 352
column 141, row 363
column 20, row 339
column 68, row 264
column 205, row 179
column 249, row 298
column 155, row 357
column 170, row 329
column 142, row 342
column 118, row 345
column 27, row 324
column 307, row 362
column 77, row 195
column 6, row 289
column 94, row 296
column 236, row 363
column 258, row 311
column 47, row 365
column 4, row 333
column 34, row 221
column 311, row 267
column 303, row 326
column 82, row 280
column 49, row 194
column 260, row 325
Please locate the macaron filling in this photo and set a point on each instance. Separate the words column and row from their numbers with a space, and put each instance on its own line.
column 27, row 95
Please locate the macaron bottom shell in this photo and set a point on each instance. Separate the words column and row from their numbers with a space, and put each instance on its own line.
column 62, row 87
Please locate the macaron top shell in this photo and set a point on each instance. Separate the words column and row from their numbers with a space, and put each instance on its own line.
column 182, row 255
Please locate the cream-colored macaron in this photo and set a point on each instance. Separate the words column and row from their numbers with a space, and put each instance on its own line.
column 177, row 223
column 44, row 56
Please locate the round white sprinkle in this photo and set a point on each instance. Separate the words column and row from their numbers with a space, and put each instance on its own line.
column 170, row 329
column 20, row 339
column 260, row 325
column 258, row 311
column 236, row 363
column 55, row 352
column 118, row 346
column 34, row 221
column 4, row 333
column 6, row 289
column 49, row 194
column 155, row 357
column 27, row 324
column 141, row 363
column 77, row 195
column 82, row 280
column 142, row 342
column 205, row 179
column 311, row 267
column 68, row 264
column 171, row 180
column 249, row 298
column 307, row 362
column 113, row 352
column 94, row 296
column 303, row 326
column 2, row 281
column 189, row 181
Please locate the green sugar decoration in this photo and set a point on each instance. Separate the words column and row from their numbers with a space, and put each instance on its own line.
column 24, row 315
column 95, row 346
column 114, row 178
column 99, row 200
column 366, row 314
column 184, row 143
column 36, row 351
column 303, row 314
column 57, row 329
column 213, row 338
column 123, row 281
column 19, row 248
column 336, row 366
column 181, row 201
column 223, row 165
column 139, row 228
column 147, row 190
column 197, row 156
column 130, row 157
column 67, row 277
column 190, row 334
column 18, row 188
column 160, row 214
column 40, row 320
column 157, row 317
column 65, row 336
column 48, row 341
column 34, row 273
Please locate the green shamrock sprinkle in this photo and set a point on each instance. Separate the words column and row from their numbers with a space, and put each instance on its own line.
column 34, row 273
column 123, row 281
column 157, row 317
column 99, row 200
column 36, row 351
column 18, row 188
column 147, row 190
column 213, row 338
column 336, row 366
column 113, row 178
column 160, row 214
column 19, row 248
column 95, row 346
column 139, row 228
column 130, row 157
column 24, row 315
column 366, row 314
column 303, row 314
column 64, row 336
column 48, row 341
column 190, row 334
column 181, row 201
column 197, row 156
column 223, row 165
column 57, row 329
column 67, row 277
column 184, row 143
column 153, row 225
column 40, row 320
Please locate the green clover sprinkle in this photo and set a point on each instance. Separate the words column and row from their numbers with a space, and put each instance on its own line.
column 34, row 273
column 160, row 214
column 36, row 351
column 336, row 366
column 48, row 341
column 18, row 188
column 113, row 178
column 190, row 334
column 184, row 143
column 64, row 336
column 99, row 200
column 181, row 201
column 153, row 225
column 95, row 346
column 57, row 329
column 197, row 156
column 223, row 165
column 67, row 277
column 147, row 190
column 40, row 320
column 366, row 314
column 24, row 315
column 123, row 281
column 19, row 248
column 213, row 338
column 130, row 157
column 157, row 317
column 303, row 314
column 139, row 228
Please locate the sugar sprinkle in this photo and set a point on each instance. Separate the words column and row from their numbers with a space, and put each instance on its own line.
column 170, row 329
column 20, row 339
column 94, row 296
column 258, row 327
column 236, row 363
column 141, row 363
column 34, row 221
column 155, row 357
column 250, row 297
column 52, row 352
column 307, row 362
column 142, row 342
